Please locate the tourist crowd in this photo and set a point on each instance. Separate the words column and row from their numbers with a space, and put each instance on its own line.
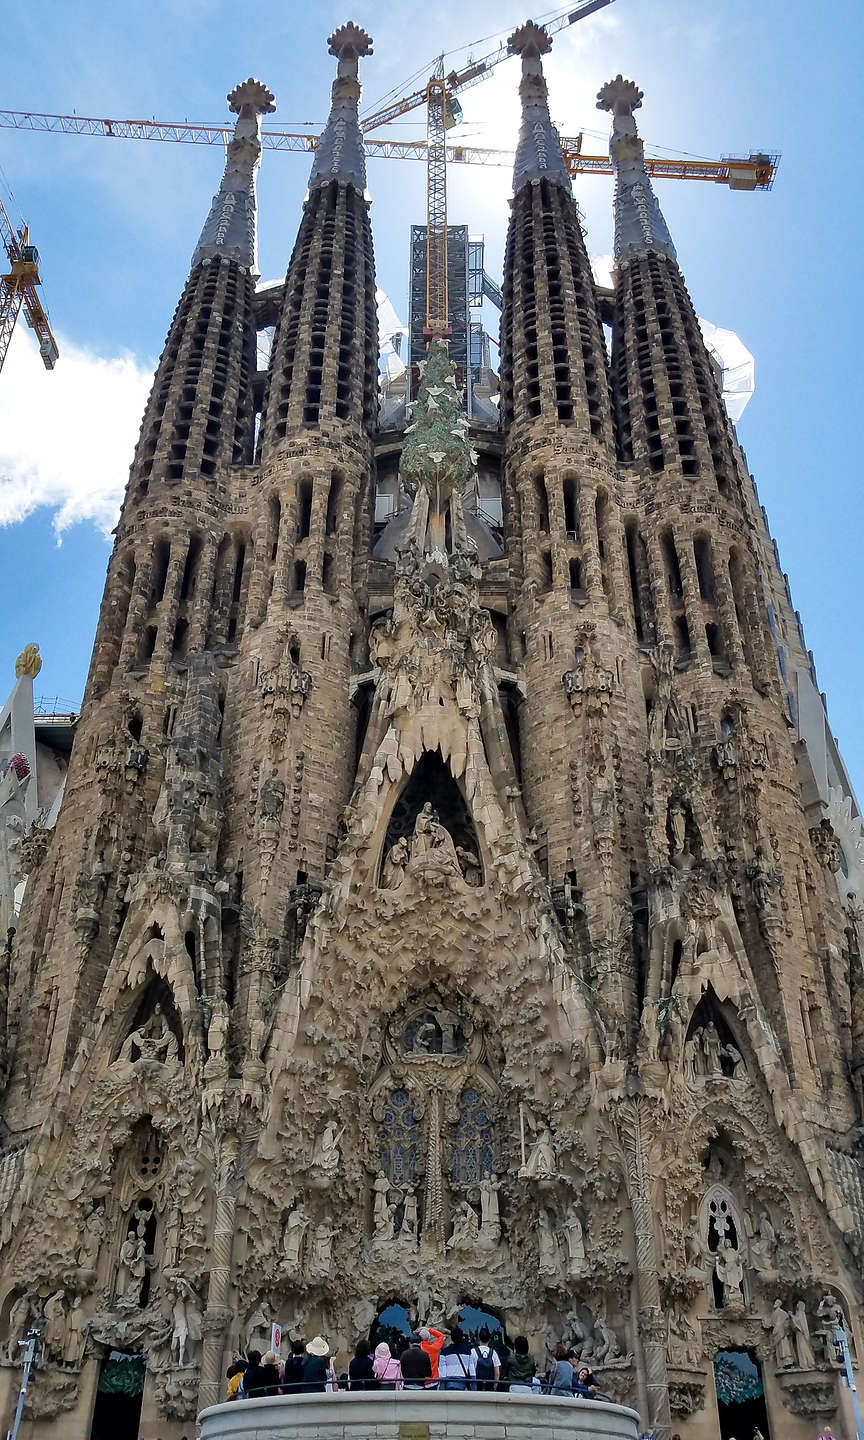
column 427, row 1360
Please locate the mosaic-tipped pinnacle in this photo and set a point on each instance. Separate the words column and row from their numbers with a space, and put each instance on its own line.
column 621, row 96
column 529, row 39
column 252, row 92
column 350, row 38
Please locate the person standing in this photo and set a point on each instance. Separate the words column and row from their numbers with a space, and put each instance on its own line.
column 432, row 1341
column 562, row 1374
column 456, row 1369
column 416, row 1366
column 387, row 1368
column 522, row 1367
column 361, row 1369
column 316, row 1366
column 292, row 1370
column 487, row 1363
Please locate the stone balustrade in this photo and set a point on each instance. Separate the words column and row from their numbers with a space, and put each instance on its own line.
column 418, row 1415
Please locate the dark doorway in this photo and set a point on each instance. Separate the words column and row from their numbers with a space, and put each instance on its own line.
column 117, row 1412
column 391, row 1325
column 740, row 1395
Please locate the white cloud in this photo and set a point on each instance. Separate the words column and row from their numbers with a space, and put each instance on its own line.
column 67, row 435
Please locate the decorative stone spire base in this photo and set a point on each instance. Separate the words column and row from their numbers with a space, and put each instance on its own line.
column 231, row 227
column 639, row 223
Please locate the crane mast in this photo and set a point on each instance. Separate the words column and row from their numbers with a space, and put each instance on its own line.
column 18, row 291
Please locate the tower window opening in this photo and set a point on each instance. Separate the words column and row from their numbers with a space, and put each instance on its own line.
column 714, row 637
column 300, row 575
column 161, row 556
column 274, row 520
column 542, row 503
column 181, row 629
column 238, row 571
column 333, row 501
column 547, row 573
column 682, row 637
column 148, row 643
column 304, row 508
column 673, row 569
column 575, row 575
column 704, row 567
column 327, row 575
column 190, row 569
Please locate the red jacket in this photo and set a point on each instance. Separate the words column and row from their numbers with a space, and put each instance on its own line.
column 433, row 1348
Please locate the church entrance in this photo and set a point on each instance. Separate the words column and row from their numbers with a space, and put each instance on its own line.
column 118, row 1397
column 740, row 1396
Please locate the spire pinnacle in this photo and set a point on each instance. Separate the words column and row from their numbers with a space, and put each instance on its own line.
column 538, row 155
column 639, row 223
column 231, row 229
column 340, row 155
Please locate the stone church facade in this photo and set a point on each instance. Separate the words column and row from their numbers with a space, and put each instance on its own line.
column 439, row 913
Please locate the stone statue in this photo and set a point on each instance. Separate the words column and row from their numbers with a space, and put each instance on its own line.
column 410, row 1223
column 466, row 1228
column 433, row 844
column 321, row 1250
column 541, row 1156
column 22, row 1312
column 381, row 1194
column 74, row 1343
column 296, row 1225
column 779, row 1323
column 217, row 1034
column 91, row 1241
column 574, row 1234
column 326, row 1154
column 490, row 1217
column 730, row 1272
column 154, row 1040
column 801, row 1336
column 186, row 1315
column 763, row 1247
column 258, row 1325
column 54, row 1313
column 684, row 1343
column 712, row 1050
column 469, row 865
column 547, row 1245
column 606, row 1347
column 832, row 1318
column 735, row 1058
column 133, row 1267
column 385, row 1223
column 677, row 827
column 395, row 865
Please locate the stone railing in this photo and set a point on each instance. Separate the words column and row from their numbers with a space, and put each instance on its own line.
column 420, row 1415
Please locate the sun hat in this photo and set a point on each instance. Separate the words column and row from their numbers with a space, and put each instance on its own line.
column 318, row 1346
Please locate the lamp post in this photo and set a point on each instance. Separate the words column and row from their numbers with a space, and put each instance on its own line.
column 31, row 1350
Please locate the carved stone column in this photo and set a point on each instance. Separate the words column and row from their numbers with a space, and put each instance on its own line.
column 219, row 1313
column 651, row 1337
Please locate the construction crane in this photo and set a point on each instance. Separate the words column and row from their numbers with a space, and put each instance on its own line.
column 751, row 172
column 18, row 290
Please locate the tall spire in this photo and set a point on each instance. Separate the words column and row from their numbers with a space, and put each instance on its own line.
column 340, row 155
column 538, row 154
column 231, row 227
column 639, row 223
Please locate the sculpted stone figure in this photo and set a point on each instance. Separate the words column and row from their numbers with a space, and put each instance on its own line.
column 466, row 1228
column 74, row 1343
column 547, row 1245
column 295, row 1228
column 831, row 1317
column 410, row 1223
column 186, row 1315
column 801, row 1335
column 91, row 1241
column 54, row 1313
column 541, row 1157
column 490, row 1218
column 395, row 865
column 574, row 1234
column 22, row 1312
column 763, row 1247
column 154, row 1040
column 258, row 1326
column 321, row 1250
column 133, row 1267
column 432, row 846
column 730, row 1272
column 780, row 1325
column 326, row 1153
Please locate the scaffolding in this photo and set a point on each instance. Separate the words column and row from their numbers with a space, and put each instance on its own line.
column 457, row 291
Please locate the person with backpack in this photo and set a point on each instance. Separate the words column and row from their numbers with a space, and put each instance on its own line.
column 456, row 1369
column 487, row 1363
column 234, row 1377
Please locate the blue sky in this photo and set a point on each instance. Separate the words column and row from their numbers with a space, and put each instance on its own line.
column 116, row 223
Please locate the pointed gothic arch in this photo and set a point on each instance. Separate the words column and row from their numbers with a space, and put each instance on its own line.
column 431, row 782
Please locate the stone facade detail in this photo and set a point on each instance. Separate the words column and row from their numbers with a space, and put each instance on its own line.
column 429, row 919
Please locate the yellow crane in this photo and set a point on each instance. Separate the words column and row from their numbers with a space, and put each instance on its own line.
column 18, row 290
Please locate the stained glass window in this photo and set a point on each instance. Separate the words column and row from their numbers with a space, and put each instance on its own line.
column 399, row 1140
column 472, row 1152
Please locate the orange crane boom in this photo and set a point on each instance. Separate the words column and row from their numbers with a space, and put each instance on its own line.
column 18, row 291
column 753, row 172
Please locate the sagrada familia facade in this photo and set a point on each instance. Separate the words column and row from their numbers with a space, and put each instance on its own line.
column 440, row 913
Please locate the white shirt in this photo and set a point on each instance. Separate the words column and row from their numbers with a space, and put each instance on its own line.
column 456, row 1366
